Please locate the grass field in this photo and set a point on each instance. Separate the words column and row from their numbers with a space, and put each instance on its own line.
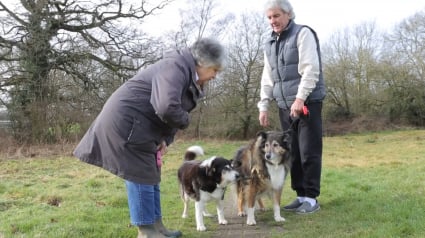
column 373, row 185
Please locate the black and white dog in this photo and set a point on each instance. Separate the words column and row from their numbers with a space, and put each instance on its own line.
column 203, row 181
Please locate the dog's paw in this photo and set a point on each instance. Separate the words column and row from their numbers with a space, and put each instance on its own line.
column 223, row 222
column 279, row 219
column 251, row 222
column 201, row 228
column 241, row 214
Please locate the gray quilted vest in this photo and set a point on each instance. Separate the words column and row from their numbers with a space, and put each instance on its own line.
column 284, row 65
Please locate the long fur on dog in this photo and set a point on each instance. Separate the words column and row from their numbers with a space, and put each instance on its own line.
column 203, row 181
column 263, row 165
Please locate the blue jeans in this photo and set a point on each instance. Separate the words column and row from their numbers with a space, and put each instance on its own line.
column 144, row 203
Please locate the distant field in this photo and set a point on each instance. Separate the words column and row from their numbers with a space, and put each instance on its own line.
column 4, row 124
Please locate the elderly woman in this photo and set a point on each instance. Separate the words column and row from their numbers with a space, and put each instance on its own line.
column 141, row 119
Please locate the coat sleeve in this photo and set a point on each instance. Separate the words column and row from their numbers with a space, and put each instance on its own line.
column 168, row 85
column 266, row 89
column 309, row 66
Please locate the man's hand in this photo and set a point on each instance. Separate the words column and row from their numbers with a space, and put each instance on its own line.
column 264, row 118
column 297, row 108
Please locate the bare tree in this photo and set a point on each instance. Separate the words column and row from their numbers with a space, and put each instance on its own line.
column 242, row 77
column 351, row 59
column 405, row 70
column 71, row 50
column 198, row 19
column 201, row 18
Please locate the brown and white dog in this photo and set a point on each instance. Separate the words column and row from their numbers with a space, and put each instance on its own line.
column 263, row 165
column 203, row 181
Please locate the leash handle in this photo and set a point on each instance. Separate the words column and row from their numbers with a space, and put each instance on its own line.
column 159, row 158
column 305, row 111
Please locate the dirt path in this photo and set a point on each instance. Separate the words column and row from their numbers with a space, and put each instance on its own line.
column 237, row 225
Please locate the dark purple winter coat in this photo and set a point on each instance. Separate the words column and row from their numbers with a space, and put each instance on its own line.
column 139, row 115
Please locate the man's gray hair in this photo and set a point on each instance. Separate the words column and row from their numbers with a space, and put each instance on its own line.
column 208, row 52
column 285, row 5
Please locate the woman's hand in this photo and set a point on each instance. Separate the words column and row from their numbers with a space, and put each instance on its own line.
column 163, row 148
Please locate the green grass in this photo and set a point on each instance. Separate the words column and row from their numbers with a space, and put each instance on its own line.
column 373, row 185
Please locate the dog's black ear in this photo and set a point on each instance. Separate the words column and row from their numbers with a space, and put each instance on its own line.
column 287, row 139
column 210, row 171
column 235, row 163
column 261, row 138
column 262, row 134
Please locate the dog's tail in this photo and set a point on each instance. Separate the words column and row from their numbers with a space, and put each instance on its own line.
column 237, row 159
column 192, row 152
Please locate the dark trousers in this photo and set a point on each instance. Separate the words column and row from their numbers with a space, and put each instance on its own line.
column 307, row 146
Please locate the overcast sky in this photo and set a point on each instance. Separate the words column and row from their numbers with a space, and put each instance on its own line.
column 325, row 16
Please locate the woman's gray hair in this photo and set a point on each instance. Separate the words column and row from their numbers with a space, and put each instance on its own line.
column 285, row 5
column 208, row 52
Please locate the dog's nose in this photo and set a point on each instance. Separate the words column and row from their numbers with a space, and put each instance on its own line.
column 237, row 176
column 268, row 156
